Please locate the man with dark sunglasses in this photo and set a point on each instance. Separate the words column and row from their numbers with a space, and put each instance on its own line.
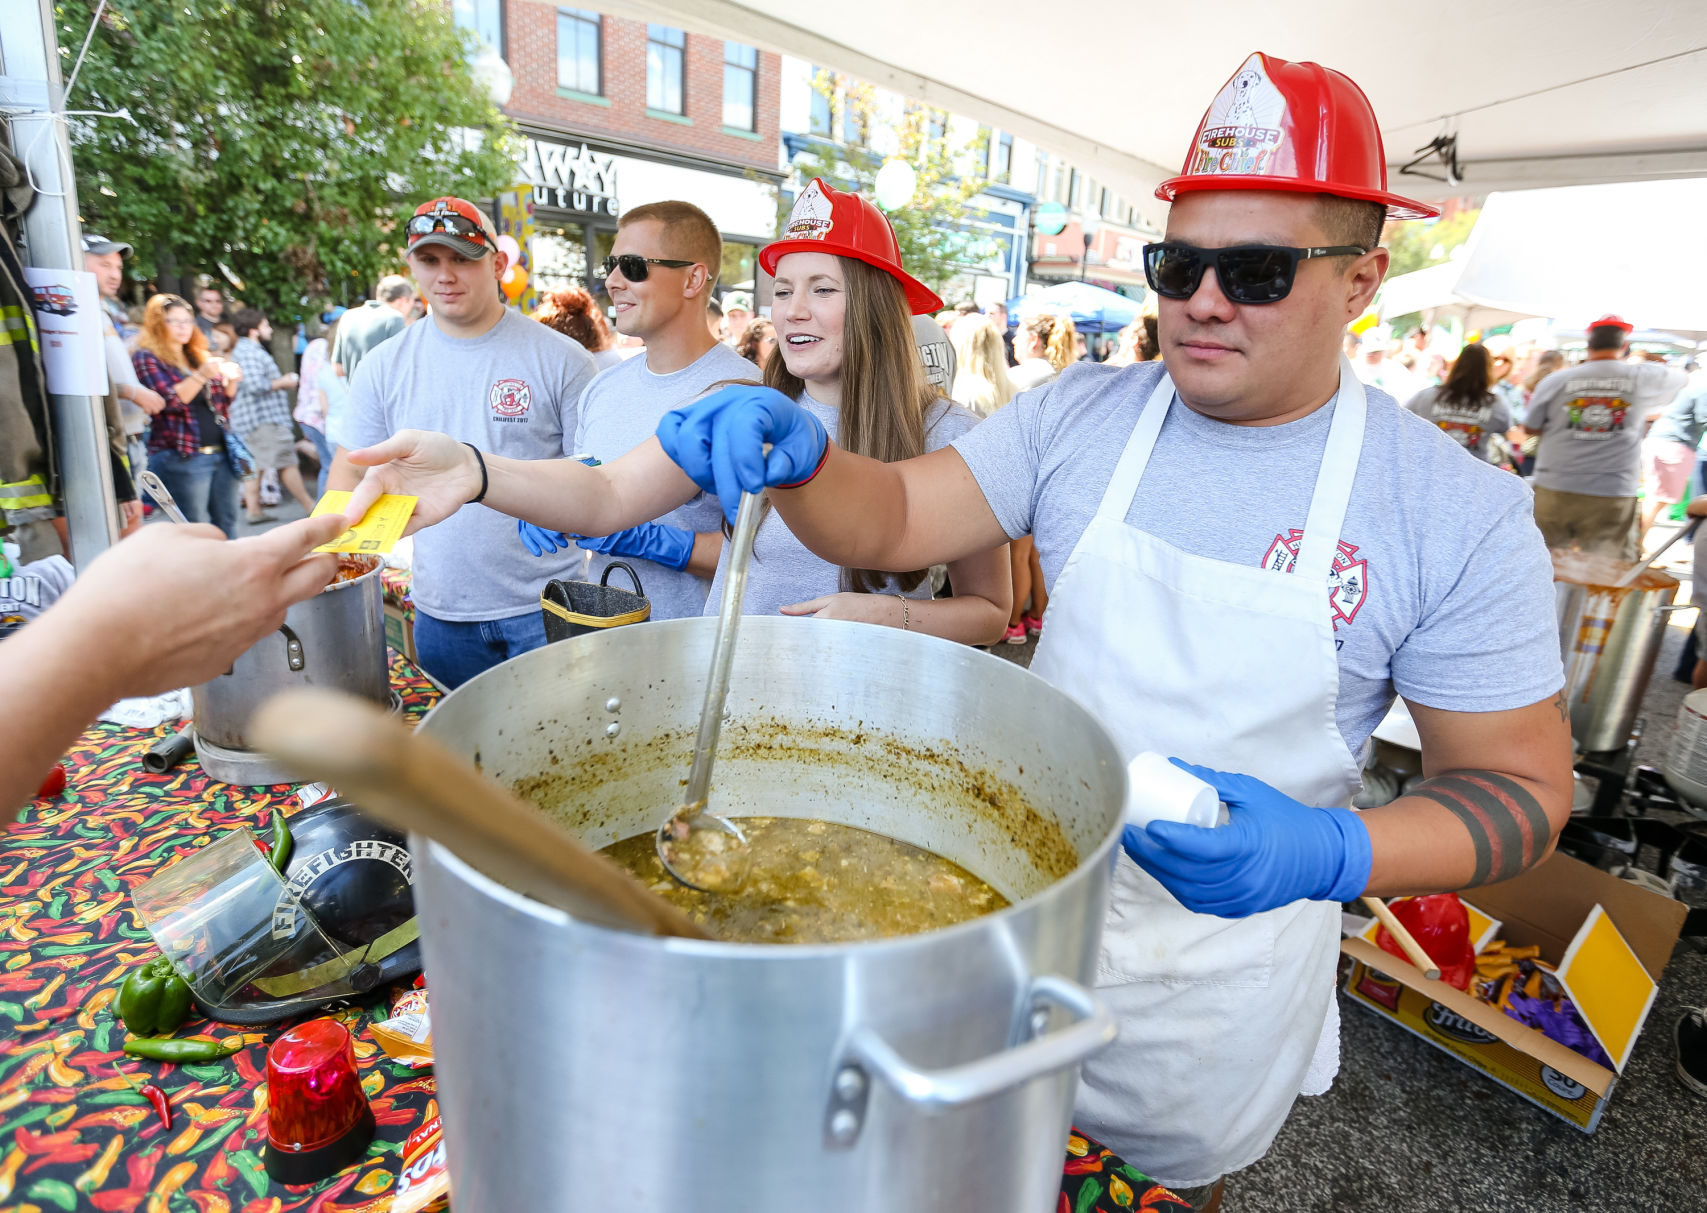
column 486, row 375
column 1249, row 556
column 659, row 277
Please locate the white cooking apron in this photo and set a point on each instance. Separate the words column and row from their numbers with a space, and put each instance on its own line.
column 1231, row 666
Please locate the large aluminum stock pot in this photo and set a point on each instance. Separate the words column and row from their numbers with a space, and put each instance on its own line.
column 1609, row 637
column 585, row 1068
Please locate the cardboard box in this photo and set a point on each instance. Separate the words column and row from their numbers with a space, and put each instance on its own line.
column 395, row 585
column 1552, row 906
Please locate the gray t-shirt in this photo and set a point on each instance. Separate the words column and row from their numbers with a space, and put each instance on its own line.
column 936, row 353
column 1590, row 417
column 120, row 372
column 362, row 328
column 1442, row 590
column 783, row 572
column 1685, row 420
column 621, row 410
column 1469, row 425
column 510, row 391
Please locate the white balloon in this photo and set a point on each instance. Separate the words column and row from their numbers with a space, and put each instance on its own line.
column 896, row 182
column 508, row 246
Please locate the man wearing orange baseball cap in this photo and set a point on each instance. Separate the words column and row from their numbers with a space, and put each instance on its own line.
column 488, row 376
column 1588, row 466
column 1358, row 556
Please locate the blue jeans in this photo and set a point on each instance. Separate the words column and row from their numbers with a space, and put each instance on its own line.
column 202, row 485
column 324, row 449
column 455, row 652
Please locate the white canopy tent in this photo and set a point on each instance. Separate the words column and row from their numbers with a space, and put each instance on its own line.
column 1538, row 92
column 1574, row 254
column 1434, row 293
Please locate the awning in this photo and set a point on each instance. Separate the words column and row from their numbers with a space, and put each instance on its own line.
column 1555, row 94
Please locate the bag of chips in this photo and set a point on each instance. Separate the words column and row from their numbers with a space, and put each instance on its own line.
column 407, row 1037
column 424, row 1185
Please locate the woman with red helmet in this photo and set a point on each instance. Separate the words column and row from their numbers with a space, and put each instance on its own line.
column 846, row 357
column 841, row 306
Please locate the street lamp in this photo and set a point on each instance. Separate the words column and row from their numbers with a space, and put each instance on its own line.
column 492, row 75
column 1088, row 227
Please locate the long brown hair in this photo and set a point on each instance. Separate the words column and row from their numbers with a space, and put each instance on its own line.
column 1471, row 376
column 157, row 341
column 884, row 390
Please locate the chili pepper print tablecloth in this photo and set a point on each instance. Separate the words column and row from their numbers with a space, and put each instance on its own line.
column 74, row 1134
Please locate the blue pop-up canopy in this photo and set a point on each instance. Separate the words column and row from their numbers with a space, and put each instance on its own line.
column 1093, row 309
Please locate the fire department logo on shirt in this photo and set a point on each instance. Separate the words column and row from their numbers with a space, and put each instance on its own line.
column 510, row 400
column 1596, row 416
column 1348, row 580
column 1466, row 434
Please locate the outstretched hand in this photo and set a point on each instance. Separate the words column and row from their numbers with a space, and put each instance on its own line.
column 442, row 474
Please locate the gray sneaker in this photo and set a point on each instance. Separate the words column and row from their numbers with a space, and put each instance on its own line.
column 1691, row 1037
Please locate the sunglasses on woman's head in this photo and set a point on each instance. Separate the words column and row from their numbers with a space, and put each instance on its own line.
column 1246, row 273
column 635, row 268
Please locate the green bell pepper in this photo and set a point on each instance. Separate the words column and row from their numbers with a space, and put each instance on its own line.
column 154, row 999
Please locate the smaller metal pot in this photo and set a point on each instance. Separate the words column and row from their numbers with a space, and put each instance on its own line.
column 335, row 639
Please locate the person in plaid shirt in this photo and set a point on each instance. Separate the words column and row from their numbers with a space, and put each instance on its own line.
column 187, row 438
column 260, row 413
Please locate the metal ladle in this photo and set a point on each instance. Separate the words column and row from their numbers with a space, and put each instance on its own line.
column 702, row 849
column 156, row 489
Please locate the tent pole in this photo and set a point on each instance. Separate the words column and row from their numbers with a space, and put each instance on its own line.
column 53, row 239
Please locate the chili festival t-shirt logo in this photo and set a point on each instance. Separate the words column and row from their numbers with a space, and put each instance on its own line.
column 510, row 400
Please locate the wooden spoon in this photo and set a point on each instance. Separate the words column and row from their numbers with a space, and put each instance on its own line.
column 411, row 782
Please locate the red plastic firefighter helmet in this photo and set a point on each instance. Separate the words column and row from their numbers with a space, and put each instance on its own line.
column 828, row 220
column 1278, row 125
column 1611, row 321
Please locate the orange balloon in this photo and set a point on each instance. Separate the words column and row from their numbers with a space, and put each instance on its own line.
column 515, row 281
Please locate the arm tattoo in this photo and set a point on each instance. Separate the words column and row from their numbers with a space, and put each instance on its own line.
column 1564, row 710
column 1507, row 826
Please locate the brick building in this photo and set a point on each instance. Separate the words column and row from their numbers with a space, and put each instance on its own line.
column 617, row 113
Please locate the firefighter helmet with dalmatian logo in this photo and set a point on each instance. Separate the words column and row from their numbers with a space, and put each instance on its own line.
column 828, row 220
column 1278, row 125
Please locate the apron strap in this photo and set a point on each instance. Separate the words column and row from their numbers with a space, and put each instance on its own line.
column 1123, row 487
column 1334, row 480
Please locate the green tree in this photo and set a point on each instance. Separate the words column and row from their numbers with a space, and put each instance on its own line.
column 931, row 229
column 1419, row 243
column 284, row 140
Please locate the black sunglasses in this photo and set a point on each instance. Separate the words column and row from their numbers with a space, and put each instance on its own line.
column 1246, row 273
column 634, row 266
column 447, row 221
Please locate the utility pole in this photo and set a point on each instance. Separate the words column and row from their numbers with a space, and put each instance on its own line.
column 53, row 239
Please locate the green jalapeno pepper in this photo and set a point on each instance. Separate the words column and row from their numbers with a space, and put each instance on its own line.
column 282, row 842
column 154, row 999
column 180, row 1050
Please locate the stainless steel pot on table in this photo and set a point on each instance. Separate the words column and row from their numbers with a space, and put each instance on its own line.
column 1609, row 637
column 335, row 640
column 586, row 1068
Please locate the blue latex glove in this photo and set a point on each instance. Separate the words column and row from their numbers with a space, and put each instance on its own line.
column 719, row 442
column 540, row 540
column 671, row 546
column 1272, row 851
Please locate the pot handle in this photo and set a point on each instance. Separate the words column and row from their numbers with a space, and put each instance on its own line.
column 1093, row 1028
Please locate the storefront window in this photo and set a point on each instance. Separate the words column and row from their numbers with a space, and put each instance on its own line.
column 578, row 67
column 740, row 78
column 664, row 46
column 484, row 17
column 559, row 257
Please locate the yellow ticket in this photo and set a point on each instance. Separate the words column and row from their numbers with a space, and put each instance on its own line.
column 378, row 531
